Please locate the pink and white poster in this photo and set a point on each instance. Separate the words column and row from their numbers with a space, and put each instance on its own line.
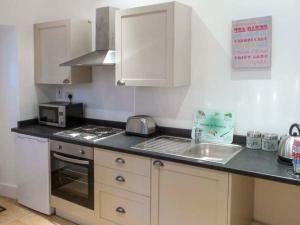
column 252, row 43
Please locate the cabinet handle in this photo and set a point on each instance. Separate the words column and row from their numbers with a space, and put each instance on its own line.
column 158, row 163
column 81, row 152
column 66, row 81
column 120, row 83
column 120, row 161
column 120, row 210
column 120, row 179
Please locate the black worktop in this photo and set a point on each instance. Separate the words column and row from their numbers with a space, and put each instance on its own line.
column 254, row 163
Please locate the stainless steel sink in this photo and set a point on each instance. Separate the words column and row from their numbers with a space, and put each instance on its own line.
column 211, row 152
column 219, row 153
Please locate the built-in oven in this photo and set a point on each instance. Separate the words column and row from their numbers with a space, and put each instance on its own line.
column 72, row 173
column 60, row 114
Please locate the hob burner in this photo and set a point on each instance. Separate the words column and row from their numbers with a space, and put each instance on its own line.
column 90, row 133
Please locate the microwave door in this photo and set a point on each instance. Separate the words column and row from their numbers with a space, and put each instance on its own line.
column 48, row 114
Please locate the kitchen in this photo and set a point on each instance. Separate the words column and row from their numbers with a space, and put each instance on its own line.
column 264, row 100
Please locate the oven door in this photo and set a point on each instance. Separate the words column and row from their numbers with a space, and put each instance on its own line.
column 72, row 179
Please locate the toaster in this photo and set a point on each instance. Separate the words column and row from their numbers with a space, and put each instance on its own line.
column 141, row 125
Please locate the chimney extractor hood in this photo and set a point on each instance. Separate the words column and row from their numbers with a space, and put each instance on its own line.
column 105, row 41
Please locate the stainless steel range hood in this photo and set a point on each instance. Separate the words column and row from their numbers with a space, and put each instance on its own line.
column 105, row 41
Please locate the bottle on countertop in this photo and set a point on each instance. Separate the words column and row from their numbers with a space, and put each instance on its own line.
column 296, row 156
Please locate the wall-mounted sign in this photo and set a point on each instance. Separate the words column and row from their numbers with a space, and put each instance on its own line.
column 252, row 43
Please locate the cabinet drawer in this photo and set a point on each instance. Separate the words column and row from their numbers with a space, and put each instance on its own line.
column 115, row 160
column 124, row 180
column 123, row 209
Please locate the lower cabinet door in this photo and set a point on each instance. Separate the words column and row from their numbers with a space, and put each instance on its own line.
column 121, row 207
column 184, row 195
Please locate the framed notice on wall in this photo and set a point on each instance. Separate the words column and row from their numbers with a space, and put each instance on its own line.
column 252, row 43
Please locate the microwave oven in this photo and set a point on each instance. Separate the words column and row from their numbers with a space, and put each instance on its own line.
column 60, row 114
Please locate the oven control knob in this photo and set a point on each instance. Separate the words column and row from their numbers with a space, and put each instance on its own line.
column 82, row 152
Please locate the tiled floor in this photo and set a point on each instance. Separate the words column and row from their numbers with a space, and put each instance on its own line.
column 16, row 214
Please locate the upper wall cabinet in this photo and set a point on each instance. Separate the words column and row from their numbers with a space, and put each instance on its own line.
column 153, row 45
column 56, row 42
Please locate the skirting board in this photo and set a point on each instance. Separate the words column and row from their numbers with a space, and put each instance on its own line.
column 8, row 190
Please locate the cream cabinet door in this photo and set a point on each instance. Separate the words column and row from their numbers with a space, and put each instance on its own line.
column 52, row 47
column 153, row 45
column 188, row 195
column 144, row 45
column 56, row 42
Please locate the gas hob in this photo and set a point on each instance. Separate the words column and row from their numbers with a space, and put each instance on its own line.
column 90, row 133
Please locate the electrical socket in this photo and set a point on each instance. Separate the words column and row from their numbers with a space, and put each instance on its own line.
column 59, row 94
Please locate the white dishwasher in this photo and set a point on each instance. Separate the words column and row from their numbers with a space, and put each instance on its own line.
column 33, row 173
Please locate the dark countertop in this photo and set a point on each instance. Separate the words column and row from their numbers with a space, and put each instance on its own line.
column 254, row 163
column 37, row 130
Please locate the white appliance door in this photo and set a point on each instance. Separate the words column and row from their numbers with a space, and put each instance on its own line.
column 33, row 177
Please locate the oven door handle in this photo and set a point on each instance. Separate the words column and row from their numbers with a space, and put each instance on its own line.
column 71, row 160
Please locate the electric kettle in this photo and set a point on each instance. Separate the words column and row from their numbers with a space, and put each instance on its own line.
column 285, row 148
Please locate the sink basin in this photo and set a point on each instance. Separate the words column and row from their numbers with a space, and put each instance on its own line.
column 218, row 153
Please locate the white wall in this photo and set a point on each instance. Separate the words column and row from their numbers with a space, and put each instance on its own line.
column 262, row 100
column 102, row 98
column 265, row 100
column 22, row 15
column 9, row 106
column 18, row 94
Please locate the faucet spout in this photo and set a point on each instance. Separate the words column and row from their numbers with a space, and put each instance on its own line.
column 198, row 135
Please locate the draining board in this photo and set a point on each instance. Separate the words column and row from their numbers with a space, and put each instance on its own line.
column 165, row 144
